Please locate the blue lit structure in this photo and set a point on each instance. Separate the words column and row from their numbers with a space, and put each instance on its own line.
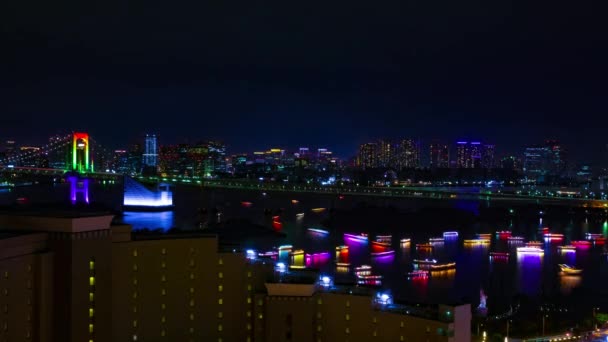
column 138, row 197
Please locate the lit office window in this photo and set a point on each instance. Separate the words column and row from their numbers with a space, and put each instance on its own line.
column 163, row 251
column 192, row 290
column 91, row 265
column 91, row 328
column 220, row 288
column 135, row 252
column 191, row 276
column 92, row 281
column 347, row 330
column 192, row 317
column 248, row 313
column 91, row 297
column 347, row 317
column 220, row 261
column 91, row 312
column 248, row 300
column 163, row 319
column 348, row 303
column 220, row 275
column 163, row 264
column 220, row 315
column 134, row 323
column 220, row 327
column 220, row 301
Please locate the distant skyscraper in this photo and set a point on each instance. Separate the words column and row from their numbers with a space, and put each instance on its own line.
column 556, row 163
column 386, row 153
column 487, row 156
column 150, row 156
column 407, row 155
column 368, row 156
column 440, row 155
column 463, row 155
column 535, row 161
column 475, row 149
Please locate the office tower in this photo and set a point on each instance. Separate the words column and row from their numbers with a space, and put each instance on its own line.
column 407, row 155
column 556, row 163
column 510, row 163
column 368, row 156
column 440, row 155
column 475, row 150
column 487, row 156
column 535, row 161
column 216, row 158
column 150, row 156
column 463, row 155
column 120, row 162
column 304, row 152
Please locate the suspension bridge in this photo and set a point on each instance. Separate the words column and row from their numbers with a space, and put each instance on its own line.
column 79, row 171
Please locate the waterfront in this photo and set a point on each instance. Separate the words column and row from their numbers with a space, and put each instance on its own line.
column 504, row 281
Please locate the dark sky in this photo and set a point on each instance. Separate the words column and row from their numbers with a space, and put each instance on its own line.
column 328, row 74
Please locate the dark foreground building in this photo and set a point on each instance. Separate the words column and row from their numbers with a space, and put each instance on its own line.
column 66, row 277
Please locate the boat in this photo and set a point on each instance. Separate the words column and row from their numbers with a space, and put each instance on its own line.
column 246, row 204
column 567, row 249
column 581, row 244
column 405, row 241
column 593, row 236
column 515, row 238
column 443, row 266
column 381, row 254
column 384, row 238
column 318, row 231
column 567, row 269
column 380, row 246
column 418, row 274
column 355, row 237
column 503, row 234
column 530, row 251
column 294, row 201
column 499, row 255
column 484, row 236
column 370, row 280
column 298, row 215
column 363, row 270
column 450, row 235
column 534, row 244
column 436, row 240
column 553, row 237
column 343, row 264
column 424, row 246
column 424, row 264
column 471, row 242
column 318, row 210
column 270, row 254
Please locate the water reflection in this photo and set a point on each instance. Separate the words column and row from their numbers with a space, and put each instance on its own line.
column 150, row 220
column 529, row 269
column 568, row 283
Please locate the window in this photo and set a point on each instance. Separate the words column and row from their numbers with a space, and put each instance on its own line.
column 134, row 281
column 249, row 287
column 375, row 320
column 5, row 274
column 220, row 301
column 192, row 290
column 220, row 327
column 135, row 309
column 319, row 315
column 248, row 326
column 135, row 295
column 192, row 317
column 220, row 275
column 91, row 297
column 92, row 281
column 91, row 265
column 91, row 328
column 248, row 313
column 260, row 302
column 347, row 330
column 401, row 325
column 348, row 303
column 220, row 314
column 347, row 317
column 248, row 300
column 163, row 264
column 163, row 306
column 248, row 274
column 220, row 288
column 134, row 267
column 134, row 323
column 191, row 276
column 319, row 301
column 220, row 261
column 91, row 312
column 163, row 319
column 191, row 302
column 163, row 251
column 401, row 338
column 260, row 316
column 192, row 263
column 163, row 292
column 163, row 333
column 319, row 328
column 135, row 252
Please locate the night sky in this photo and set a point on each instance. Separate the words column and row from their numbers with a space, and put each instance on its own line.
column 288, row 74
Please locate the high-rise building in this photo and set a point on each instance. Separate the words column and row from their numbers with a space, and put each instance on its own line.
column 407, row 155
column 150, row 156
column 368, row 156
column 463, row 155
column 386, row 153
column 120, row 162
column 475, row 149
column 440, row 155
column 556, row 161
column 535, row 161
column 487, row 156
column 216, row 159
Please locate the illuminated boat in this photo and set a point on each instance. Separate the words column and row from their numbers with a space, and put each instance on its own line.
column 484, row 236
column 318, row 210
column 503, row 234
column 499, row 255
column 286, row 248
column 405, row 241
column 363, row 270
column 450, row 235
column 380, row 245
column 298, row 215
column 530, row 251
column 343, row 264
column 384, row 238
column 270, row 254
column 424, row 246
column 355, row 237
column 593, row 236
column 567, row 249
column 246, row 204
column 436, row 240
column 552, row 237
column 370, row 280
column 418, row 274
column 442, row 266
column 341, row 252
column 424, row 264
column 295, row 201
column 476, row 242
column 567, row 269
column 318, row 231
column 515, row 239
column 581, row 244
column 534, row 244
column 381, row 254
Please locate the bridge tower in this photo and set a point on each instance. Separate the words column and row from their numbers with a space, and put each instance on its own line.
column 81, row 165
